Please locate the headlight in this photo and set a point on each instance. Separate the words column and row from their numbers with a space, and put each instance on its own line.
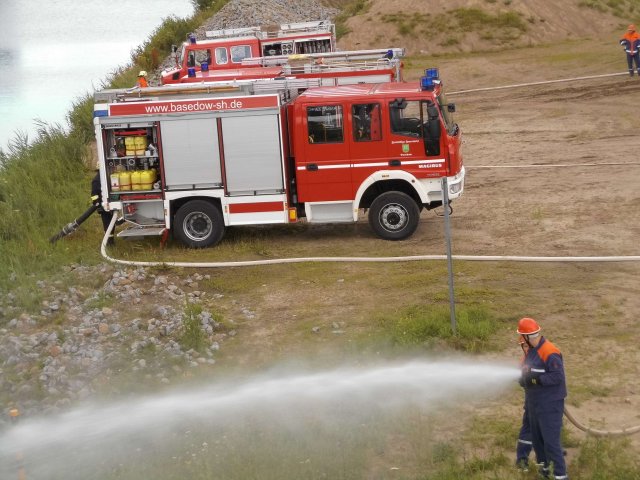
column 455, row 188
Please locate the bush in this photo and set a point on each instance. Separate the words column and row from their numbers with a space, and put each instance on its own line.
column 192, row 336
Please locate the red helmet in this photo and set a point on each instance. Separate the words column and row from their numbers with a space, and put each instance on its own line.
column 528, row 326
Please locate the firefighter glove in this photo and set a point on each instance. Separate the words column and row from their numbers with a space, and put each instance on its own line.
column 529, row 379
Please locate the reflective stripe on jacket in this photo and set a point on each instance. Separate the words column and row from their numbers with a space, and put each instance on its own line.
column 545, row 362
column 631, row 42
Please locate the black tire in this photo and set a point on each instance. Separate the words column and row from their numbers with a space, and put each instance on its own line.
column 394, row 216
column 198, row 224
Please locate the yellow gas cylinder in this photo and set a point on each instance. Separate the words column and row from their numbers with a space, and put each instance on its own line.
column 136, row 183
column 147, row 177
column 130, row 144
column 125, row 180
column 114, row 180
column 140, row 143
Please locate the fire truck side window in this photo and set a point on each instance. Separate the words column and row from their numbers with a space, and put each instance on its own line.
column 431, row 128
column 240, row 52
column 366, row 122
column 221, row 56
column 202, row 56
column 405, row 118
column 324, row 124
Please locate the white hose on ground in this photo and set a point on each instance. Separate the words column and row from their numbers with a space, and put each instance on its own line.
column 600, row 433
column 533, row 84
column 410, row 258
column 557, row 165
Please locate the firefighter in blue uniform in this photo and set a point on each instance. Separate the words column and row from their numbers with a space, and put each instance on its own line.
column 630, row 41
column 545, row 389
column 524, row 445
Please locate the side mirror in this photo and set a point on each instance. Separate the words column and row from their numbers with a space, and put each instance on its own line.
column 451, row 107
column 174, row 48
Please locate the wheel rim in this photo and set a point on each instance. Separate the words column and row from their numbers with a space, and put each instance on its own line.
column 393, row 217
column 197, row 226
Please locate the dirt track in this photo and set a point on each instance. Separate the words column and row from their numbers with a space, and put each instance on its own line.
column 558, row 211
column 574, row 210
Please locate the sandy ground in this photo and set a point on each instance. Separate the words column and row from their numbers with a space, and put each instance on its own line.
column 587, row 205
column 543, row 21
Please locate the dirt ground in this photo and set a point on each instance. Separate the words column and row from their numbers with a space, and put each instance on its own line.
column 587, row 205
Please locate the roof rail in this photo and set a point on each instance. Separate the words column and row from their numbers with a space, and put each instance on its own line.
column 275, row 31
column 232, row 32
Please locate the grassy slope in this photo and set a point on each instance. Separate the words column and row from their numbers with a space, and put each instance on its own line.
column 379, row 306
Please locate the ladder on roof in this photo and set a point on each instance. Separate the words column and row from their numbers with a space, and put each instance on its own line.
column 327, row 57
column 288, row 87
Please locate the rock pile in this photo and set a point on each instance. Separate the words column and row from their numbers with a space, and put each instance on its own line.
column 249, row 13
column 133, row 325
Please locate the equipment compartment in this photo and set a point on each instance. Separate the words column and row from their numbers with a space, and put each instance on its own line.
column 132, row 159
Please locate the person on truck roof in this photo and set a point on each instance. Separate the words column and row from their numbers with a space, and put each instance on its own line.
column 142, row 79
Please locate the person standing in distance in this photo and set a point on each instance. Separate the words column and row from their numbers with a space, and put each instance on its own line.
column 630, row 41
column 545, row 389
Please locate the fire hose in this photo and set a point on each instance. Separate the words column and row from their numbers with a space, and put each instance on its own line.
column 73, row 226
column 600, row 433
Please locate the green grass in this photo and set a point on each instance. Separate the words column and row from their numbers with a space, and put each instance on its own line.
column 429, row 325
column 498, row 28
column 606, row 459
column 192, row 336
column 43, row 186
column 627, row 9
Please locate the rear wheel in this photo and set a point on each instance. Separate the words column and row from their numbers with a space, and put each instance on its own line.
column 394, row 216
column 199, row 224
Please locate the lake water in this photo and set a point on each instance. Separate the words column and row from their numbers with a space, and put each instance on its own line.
column 53, row 51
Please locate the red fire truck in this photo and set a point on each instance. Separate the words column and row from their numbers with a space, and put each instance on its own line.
column 196, row 159
column 222, row 56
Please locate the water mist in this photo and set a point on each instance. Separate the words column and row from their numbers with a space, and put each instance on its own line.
column 275, row 419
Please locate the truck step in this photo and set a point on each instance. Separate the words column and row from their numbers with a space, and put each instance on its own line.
column 141, row 232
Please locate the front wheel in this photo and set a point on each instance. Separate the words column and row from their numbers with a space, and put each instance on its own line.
column 199, row 224
column 394, row 216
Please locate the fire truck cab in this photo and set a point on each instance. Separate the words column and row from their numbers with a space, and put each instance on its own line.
column 378, row 147
column 197, row 159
